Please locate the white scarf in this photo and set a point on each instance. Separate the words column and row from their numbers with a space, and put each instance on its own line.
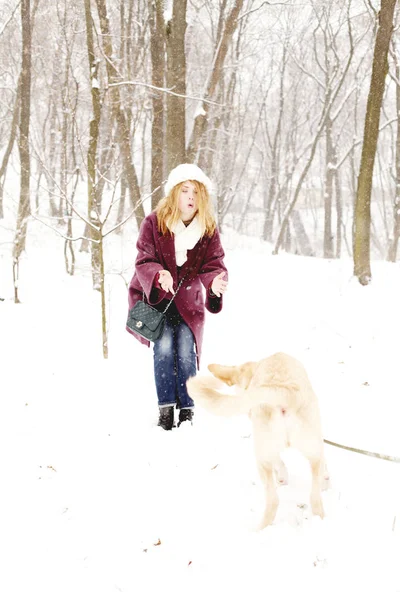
column 185, row 239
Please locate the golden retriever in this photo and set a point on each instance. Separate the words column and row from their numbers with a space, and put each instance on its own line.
column 283, row 408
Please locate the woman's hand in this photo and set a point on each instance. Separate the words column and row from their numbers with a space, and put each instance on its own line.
column 166, row 282
column 219, row 285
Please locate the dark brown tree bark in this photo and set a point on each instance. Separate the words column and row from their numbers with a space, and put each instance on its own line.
column 94, row 129
column 23, row 143
column 15, row 120
column 158, row 68
column 362, row 215
column 176, row 81
column 11, row 141
column 123, row 131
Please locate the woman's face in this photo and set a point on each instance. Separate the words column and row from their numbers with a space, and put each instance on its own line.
column 187, row 202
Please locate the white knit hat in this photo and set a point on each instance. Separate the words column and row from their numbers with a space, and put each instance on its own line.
column 184, row 172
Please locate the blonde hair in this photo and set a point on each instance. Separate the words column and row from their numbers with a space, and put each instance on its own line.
column 168, row 214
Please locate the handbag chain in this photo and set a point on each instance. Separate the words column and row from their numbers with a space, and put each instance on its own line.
column 177, row 290
column 172, row 299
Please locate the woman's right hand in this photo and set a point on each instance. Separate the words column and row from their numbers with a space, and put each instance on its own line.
column 165, row 280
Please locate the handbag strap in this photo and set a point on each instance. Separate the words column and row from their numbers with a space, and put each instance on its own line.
column 172, row 299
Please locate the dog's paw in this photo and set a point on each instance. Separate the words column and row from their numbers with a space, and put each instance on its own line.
column 265, row 522
column 282, row 480
column 269, row 516
column 317, row 507
column 281, row 474
column 326, row 483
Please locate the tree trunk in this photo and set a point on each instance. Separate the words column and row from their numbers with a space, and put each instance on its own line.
column 94, row 129
column 201, row 119
column 118, row 113
column 64, row 153
column 176, row 80
column 339, row 214
column 69, row 253
column 23, row 145
column 14, row 121
column 158, row 68
column 121, row 203
column 301, row 234
column 291, row 205
column 103, row 295
column 362, row 222
column 10, row 145
column 51, row 178
column 330, row 161
column 396, row 207
column 270, row 197
column 54, row 141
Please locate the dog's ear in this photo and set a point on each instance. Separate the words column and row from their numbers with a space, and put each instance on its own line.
column 225, row 374
column 245, row 374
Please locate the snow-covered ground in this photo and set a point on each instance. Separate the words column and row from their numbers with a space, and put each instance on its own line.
column 97, row 502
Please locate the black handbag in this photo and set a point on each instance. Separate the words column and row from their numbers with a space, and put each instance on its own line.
column 147, row 321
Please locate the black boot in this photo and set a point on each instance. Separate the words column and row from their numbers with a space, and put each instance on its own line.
column 166, row 417
column 185, row 414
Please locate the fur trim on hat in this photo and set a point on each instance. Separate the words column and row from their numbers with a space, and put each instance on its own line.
column 185, row 172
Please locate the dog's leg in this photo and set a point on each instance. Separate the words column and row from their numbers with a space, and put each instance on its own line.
column 281, row 473
column 326, row 480
column 317, row 465
column 266, row 471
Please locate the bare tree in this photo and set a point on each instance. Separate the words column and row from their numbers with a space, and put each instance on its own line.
column 362, row 216
column 158, row 67
column 176, row 80
column 93, row 225
column 334, row 83
column 263, row 94
column 201, row 118
column 114, row 77
column 10, row 145
column 394, row 242
column 271, row 196
column 23, row 144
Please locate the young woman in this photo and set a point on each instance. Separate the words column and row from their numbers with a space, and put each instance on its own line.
column 179, row 241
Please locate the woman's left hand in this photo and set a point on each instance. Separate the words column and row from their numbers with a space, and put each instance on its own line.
column 219, row 285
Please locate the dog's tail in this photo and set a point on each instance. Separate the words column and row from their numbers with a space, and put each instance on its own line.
column 204, row 391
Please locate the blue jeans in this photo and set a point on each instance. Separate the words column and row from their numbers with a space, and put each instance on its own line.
column 174, row 363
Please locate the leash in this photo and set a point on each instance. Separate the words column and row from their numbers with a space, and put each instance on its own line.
column 365, row 452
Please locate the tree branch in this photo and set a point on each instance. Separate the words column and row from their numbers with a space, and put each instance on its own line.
column 11, row 18
column 69, row 239
column 164, row 90
column 249, row 12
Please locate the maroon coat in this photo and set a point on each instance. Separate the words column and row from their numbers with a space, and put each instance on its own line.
column 204, row 262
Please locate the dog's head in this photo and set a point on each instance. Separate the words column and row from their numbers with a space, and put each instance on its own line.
column 240, row 375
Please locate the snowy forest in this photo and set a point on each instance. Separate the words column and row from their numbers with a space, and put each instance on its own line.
column 291, row 107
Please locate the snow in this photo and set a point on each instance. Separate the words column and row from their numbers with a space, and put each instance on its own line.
column 199, row 111
column 168, row 10
column 97, row 502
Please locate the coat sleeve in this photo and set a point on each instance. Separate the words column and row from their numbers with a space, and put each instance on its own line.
column 147, row 264
column 213, row 264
